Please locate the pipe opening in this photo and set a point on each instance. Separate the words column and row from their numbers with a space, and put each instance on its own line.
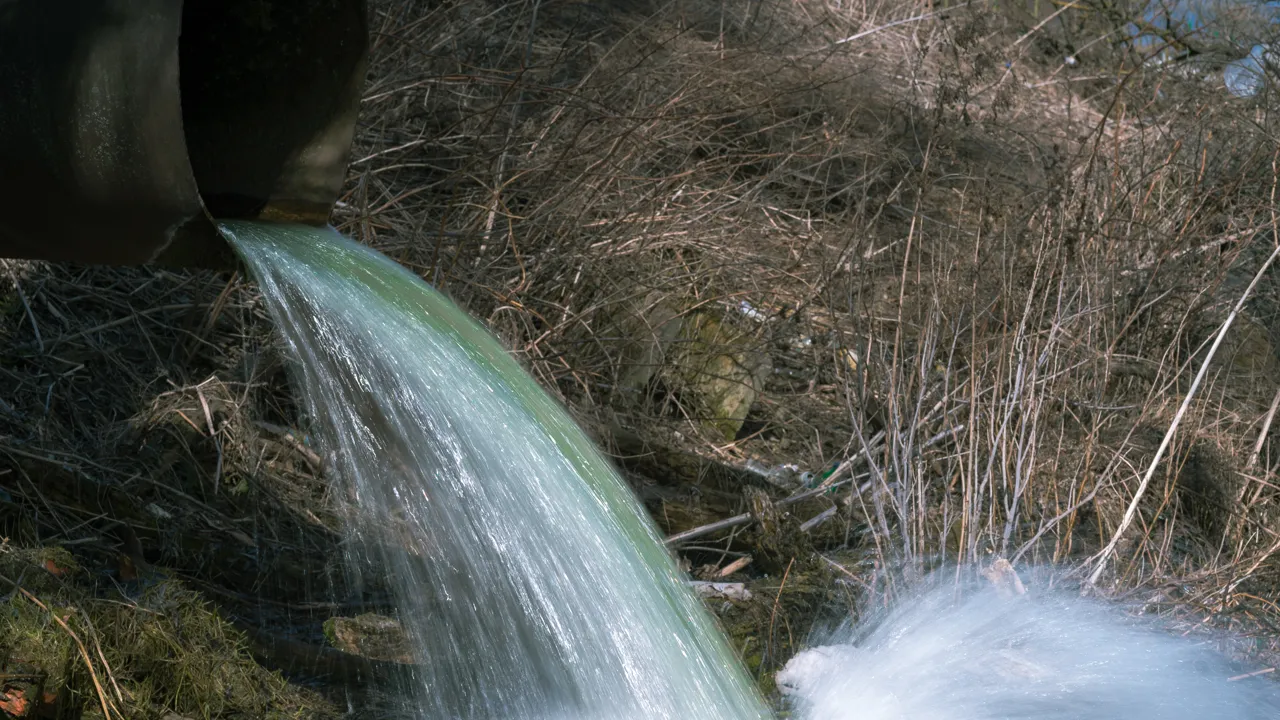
column 269, row 92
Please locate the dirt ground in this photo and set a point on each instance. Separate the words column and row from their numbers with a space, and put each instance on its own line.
column 850, row 291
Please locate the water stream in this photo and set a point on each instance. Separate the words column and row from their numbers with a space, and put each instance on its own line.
column 529, row 578
column 534, row 586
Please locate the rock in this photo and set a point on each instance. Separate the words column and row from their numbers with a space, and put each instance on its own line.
column 717, row 366
column 813, row 667
column 370, row 636
column 697, row 354
column 1004, row 578
column 648, row 327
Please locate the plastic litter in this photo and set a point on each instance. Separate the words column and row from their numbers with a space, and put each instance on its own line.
column 1247, row 23
column 1247, row 76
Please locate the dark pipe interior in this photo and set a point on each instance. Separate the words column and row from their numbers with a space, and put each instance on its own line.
column 90, row 176
column 123, row 121
column 259, row 80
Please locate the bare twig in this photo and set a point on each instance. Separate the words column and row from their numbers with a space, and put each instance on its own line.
column 745, row 518
column 1104, row 556
column 84, row 652
column 1262, row 434
column 905, row 21
column 22, row 297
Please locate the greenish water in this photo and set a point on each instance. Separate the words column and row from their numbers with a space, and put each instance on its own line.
column 528, row 576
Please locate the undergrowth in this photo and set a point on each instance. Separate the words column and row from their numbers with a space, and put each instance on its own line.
column 982, row 250
column 148, row 649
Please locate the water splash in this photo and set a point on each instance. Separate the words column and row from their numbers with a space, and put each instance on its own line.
column 964, row 651
column 528, row 577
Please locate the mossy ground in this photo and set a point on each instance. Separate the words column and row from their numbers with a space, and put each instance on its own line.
column 145, row 648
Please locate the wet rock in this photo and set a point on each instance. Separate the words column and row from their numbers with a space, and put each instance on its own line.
column 814, row 666
column 370, row 636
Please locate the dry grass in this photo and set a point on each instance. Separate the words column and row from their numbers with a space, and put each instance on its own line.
column 985, row 280
column 1027, row 258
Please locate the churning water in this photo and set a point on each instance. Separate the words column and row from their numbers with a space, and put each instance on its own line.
column 966, row 652
column 528, row 577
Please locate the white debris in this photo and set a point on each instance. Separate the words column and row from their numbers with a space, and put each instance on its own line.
column 1246, row 77
column 750, row 311
column 728, row 591
column 786, row 475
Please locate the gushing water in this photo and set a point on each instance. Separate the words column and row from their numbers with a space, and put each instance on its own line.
column 534, row 587
column 966, row 652
column 527, row 575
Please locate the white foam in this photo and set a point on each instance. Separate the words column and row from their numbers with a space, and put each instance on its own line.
column 969, row 653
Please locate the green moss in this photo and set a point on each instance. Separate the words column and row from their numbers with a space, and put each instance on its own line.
column 330, row 630
column 162, row 650
column 371, row 636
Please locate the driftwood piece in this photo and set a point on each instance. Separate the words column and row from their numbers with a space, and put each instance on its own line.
column 670, row 465
column 721, row 590
column 1005, row 579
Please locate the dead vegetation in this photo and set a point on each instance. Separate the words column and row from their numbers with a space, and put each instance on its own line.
column 953, row 287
